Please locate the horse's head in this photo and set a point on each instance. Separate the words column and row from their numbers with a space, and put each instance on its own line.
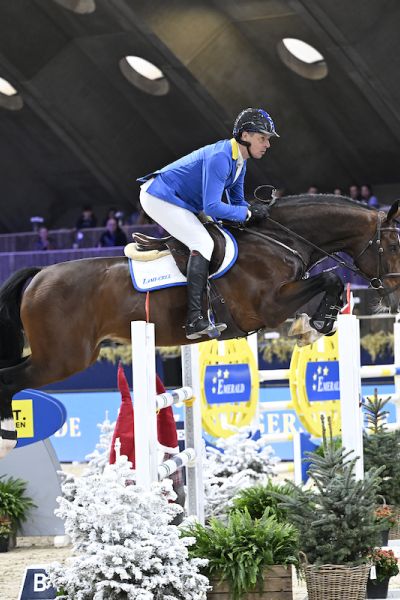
column 381, row 259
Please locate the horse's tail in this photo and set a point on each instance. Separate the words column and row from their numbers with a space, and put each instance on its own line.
column 11, row 329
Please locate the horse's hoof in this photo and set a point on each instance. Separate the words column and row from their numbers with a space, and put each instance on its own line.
column 301, row 325
column 308, row 338
column 6, row 446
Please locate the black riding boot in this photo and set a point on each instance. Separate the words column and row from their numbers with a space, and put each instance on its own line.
column 197, row 324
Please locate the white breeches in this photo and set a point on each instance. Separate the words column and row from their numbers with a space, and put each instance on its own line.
column 179, row 222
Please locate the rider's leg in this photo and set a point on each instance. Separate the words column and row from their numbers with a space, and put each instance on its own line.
column 186, row 227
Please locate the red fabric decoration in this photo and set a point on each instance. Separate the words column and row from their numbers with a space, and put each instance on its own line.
column 124, row 428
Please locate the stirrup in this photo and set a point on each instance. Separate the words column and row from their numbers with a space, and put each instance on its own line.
column 196, row 330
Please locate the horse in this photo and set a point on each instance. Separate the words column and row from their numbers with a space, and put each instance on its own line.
column 68, row 309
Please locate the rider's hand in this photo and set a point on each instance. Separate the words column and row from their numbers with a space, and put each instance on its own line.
column 257, row 212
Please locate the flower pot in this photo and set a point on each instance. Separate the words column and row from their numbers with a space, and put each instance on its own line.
column 394, row 532
column 377, row 589
column 277, row 585
column 4, row 543
column 336, row 582
column 385, row 537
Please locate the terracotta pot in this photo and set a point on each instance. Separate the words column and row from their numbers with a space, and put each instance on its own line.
column 277, row 585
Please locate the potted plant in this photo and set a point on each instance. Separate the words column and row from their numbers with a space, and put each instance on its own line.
column 14, row 503
column 257, row 498
column 5, row 531
column 386, row 517
column 382, row 449
column 336, row 522
column 386, row 566
column 246, row 557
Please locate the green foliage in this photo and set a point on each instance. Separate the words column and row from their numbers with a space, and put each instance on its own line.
column 278, row 349
column 5, row 526
column 378, row 344
column 238, row 551
column 258, row 498
column 336, row 519
column 14, row 503
column 382, row 450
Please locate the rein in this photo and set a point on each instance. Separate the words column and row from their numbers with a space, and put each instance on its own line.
column 375, row 282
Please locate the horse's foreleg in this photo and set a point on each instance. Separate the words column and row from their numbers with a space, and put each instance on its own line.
column 298, row 293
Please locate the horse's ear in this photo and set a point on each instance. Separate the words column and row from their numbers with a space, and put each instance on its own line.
column 394, row 211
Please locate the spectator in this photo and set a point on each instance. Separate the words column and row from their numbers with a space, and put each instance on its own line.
column 87, row 218
column 368, row 197
column 313, row 190
column 354, row 192
column 337, row 192
column 111, row 214
column 44, row 242
column 113, row 235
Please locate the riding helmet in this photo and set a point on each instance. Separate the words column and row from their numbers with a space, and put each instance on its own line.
column 254, row 120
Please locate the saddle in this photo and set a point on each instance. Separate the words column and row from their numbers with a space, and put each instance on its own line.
column 150, row 248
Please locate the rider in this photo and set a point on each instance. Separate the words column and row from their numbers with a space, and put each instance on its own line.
column 175, row 195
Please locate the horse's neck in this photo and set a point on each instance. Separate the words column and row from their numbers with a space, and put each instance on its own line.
column 332, row 228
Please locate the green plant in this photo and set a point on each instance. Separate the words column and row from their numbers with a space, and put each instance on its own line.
column 239, row 551
column 336, row 519
column 14, row 502
column 385, row 563
column 258, row 498
column 378, row 344
column 382, row 449
column 385, row 516
column 5, row 526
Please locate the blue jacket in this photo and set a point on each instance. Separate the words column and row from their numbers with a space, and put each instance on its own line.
column 198, row 181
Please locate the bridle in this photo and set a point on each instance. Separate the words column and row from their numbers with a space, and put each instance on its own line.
column 376, row 282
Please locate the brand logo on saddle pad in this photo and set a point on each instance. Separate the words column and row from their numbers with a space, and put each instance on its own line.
column 163, row 272
column 37, row 416
column 322, row 381
column 227, row 383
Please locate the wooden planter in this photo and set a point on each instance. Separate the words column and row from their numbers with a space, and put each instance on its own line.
column 277, row 585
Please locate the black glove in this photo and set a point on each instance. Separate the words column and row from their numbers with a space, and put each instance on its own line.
column 258, row 212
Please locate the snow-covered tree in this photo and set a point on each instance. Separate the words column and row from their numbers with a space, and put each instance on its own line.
column 239, row 461
column 125, row 547
column 99, row 458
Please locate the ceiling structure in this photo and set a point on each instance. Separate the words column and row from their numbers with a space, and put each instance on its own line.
column 78, row 131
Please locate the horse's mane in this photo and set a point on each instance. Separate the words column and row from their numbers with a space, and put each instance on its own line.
column 303, row 200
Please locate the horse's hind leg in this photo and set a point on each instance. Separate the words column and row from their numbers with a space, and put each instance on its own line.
column 34, row 373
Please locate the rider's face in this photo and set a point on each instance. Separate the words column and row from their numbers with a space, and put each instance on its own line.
column 259, row 143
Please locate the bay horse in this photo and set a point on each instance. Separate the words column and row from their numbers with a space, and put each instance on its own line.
column 68, row 309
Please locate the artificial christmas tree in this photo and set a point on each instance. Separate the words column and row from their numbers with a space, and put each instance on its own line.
column 125, row 547
column 238, row 462
column 337, row 524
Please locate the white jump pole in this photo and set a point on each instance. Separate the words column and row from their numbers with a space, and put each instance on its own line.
column 396, row 337
column 350, row 388
column 193, row 432
column 144, row 392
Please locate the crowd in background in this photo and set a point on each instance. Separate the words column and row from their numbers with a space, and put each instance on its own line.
column 113, row 234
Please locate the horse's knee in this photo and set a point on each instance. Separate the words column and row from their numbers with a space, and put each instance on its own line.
column 332, row 282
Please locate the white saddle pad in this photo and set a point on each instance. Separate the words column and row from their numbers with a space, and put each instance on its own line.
column 163, row 272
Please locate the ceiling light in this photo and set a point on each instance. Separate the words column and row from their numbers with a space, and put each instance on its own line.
column 144, row 75
column 302, row 50
column 144, row 67
column 302, row 58
column 6, row 88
